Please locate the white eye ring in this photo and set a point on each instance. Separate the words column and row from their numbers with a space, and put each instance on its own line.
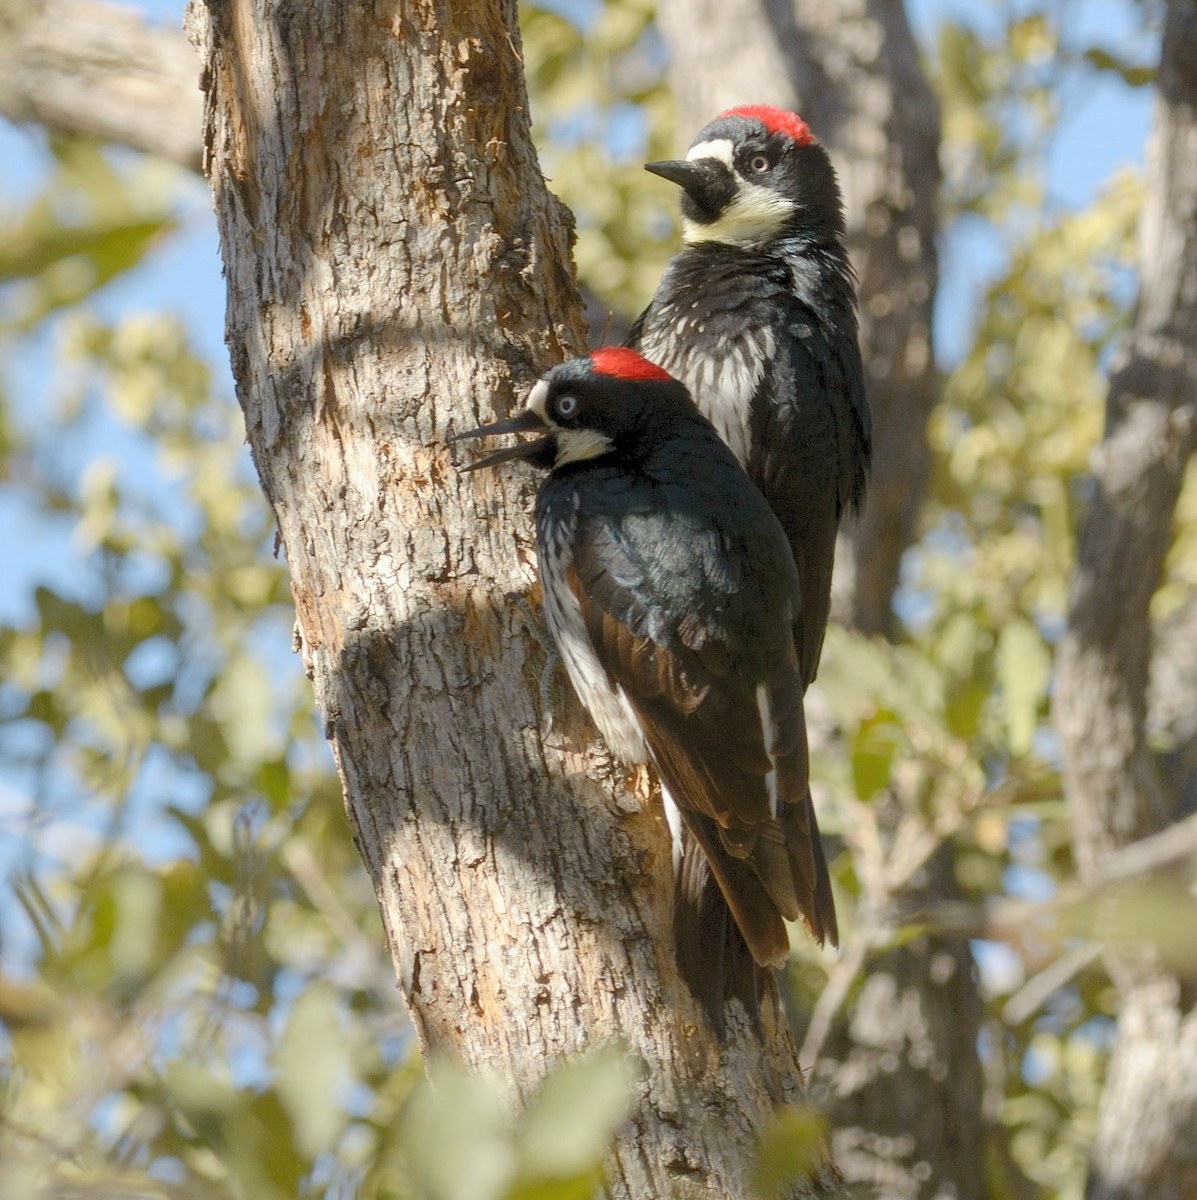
column 567, row 406
column 760, row 163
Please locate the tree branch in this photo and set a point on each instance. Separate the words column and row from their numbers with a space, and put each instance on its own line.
column 1006, row 920
column 1114, row 787
column 102, row 71
column 1146, row 1140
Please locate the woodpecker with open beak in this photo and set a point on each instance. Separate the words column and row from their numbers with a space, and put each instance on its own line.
column 756, row 315
column 672, row 595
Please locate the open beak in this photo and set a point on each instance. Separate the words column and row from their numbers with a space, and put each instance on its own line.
column 527, row 421
column 703, row 179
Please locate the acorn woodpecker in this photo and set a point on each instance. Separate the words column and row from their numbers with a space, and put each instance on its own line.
column 756, row 315
column 672, row 595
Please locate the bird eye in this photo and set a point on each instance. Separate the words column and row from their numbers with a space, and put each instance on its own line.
column 567, row 406
column 760, row 163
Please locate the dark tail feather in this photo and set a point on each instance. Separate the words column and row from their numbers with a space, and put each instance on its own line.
column 712, row 955
column 825, row 925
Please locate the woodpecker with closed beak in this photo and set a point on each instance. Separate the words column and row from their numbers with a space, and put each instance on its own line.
column 671, row 593
column 756, row 315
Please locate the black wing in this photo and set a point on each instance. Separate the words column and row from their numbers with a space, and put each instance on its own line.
column 810, row 449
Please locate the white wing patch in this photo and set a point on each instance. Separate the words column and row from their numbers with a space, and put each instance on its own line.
column 768, row 732
column 673, row 818
column 722, row 385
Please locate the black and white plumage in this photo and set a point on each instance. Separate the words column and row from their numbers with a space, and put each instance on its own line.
column 756, row 315
column 672, row 595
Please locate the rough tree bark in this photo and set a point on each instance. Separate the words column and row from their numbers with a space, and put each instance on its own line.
column 899, row 1071
column 396, row 270
column 1146, row 1139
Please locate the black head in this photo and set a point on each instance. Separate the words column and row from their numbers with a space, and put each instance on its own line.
column 591, row 406
column 752, row 174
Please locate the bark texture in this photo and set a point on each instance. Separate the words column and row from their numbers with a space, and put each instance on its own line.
column 397, row 271
column 102, row 71
column 897, row 1069
column 1118, row 792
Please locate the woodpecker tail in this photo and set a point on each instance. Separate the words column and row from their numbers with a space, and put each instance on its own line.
column 727, row 920
column 712, row 956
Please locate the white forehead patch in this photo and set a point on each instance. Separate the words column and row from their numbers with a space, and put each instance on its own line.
column 720, row 148
column 538, row 397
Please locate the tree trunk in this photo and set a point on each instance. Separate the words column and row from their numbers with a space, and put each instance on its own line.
column 397, row 271
column 1146, row 1141
column 899, row 1071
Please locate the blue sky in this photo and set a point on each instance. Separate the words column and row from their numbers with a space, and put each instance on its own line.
column 1104, row 130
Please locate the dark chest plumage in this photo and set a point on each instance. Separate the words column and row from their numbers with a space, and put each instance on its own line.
column 766, row 341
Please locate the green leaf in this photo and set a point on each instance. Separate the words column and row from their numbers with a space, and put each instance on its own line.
column 1131, row 74
column 241, row 701
column 313, row 1066
column 873, row 749
column 455, row 1138
column 569, row 1127
column 792, row 1149
column 1023, row 670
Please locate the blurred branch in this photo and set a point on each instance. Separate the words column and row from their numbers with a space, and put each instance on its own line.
column 101, row 70
column 1007, row 920
column 1145, row 1142
column 1114, row 788
column 832, row 998
column 1037, row 990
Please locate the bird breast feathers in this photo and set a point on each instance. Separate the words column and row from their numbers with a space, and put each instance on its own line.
column 724, row 384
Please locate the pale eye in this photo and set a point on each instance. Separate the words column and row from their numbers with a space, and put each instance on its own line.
column 760, row 163
column 567, row 406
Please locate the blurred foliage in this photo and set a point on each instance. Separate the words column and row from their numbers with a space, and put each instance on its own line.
column 791, row 1150
column 950, row 729
column 459, row 1142
column 601, row 110
column 195, row 998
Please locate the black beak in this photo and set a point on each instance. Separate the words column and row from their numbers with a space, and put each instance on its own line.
column 706, row 181
column 527, row 421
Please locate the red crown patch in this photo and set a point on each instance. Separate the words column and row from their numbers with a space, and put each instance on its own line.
column 775, row 120
column 618, row 362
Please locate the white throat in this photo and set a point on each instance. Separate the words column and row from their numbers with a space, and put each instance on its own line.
column 577, row 445
column 754, row 215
